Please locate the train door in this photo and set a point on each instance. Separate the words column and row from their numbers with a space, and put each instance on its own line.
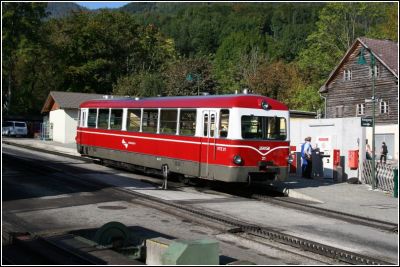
column 209, row 118
column 82, row 117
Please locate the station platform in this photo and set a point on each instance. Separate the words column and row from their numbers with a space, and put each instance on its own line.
column 357, row 199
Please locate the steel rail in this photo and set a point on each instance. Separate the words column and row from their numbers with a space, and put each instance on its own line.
column 360, row 220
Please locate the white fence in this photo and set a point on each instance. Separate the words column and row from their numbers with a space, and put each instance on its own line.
column 384, row 175
column 46, row 131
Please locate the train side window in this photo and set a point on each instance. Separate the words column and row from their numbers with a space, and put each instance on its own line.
column 91, row 123
column 205, row 125
column 266, row 128
column 116, row 119
column 102, row 121
column 133, row 120
column 168, row 121
column 276, row 129
column 212, row 125
column 223, row 123
column 187, row 122
column 150, row 119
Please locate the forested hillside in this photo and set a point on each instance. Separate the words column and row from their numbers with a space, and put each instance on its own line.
column 62, row 9
column 282, row 50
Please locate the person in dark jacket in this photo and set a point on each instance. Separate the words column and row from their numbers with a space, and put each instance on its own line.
column 384, row 152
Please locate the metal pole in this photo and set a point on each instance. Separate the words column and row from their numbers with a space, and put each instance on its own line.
column 373, row 121
column 396, row 183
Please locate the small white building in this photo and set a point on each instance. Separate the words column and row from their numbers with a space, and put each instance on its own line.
column 61, row 112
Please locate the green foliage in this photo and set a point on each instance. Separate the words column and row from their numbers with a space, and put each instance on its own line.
column 189, row 76
column 20, row 37
column 95, row 49
column 98, row 48
column 306, row 98
column 142, row 84
column 229, row 59
column 338, row 27
column 62, row 9
column 389, row 27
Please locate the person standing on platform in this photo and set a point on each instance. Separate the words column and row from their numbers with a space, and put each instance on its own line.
column 306, row 151
column 368, row 151
column 384, row 152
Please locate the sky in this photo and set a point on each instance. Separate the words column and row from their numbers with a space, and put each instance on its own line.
column 96, row 5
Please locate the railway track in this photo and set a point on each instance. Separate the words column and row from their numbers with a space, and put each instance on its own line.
column 377, row 224
column 273, row 197
column 237, row 226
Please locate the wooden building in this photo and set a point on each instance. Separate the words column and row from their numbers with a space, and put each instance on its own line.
column 348, row 90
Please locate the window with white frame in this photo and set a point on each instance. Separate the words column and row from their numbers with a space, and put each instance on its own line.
column 383, row 107
column 360, row 109
column 376, row 68
column 347, row 75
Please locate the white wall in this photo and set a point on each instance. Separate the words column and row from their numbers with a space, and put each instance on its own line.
column 64, row 125
column 385, row 129
column 57, row 118
column 71, row 122
column 346, row 134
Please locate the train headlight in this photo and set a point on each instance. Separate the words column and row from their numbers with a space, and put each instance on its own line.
column 264, row 105
column 237, row 160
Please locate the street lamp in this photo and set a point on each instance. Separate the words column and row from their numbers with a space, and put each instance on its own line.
column 362, row 61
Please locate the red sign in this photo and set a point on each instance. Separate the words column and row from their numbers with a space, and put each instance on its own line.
column 336, row 157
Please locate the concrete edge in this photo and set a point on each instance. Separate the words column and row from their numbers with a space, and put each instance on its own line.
column 51, row 149
column 293, row 193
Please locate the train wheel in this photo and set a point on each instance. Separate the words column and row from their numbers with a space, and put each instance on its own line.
column 183, row 179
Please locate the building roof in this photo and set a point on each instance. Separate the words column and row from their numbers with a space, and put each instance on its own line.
column 67, row 100
column 385, row 51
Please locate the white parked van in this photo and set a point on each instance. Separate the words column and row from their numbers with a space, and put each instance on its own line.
column 14, row 128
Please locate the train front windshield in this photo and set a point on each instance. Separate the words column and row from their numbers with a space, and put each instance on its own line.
column 264, row 128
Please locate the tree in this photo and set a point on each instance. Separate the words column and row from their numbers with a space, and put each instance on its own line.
column 283, row 82
column 228, row 63
column 388, row 29
column 21, row 23
column 189, row 76
column 338, row 27
column 94, row 50
column 142, row 84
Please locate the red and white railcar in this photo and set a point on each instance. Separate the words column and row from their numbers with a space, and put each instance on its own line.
column 231, row 138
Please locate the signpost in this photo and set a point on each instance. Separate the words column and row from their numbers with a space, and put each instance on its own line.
column 367, row 121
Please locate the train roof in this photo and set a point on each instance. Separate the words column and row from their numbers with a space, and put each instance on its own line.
column 210, row 101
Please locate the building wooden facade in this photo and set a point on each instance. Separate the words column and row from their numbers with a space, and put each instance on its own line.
column 348, row 90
